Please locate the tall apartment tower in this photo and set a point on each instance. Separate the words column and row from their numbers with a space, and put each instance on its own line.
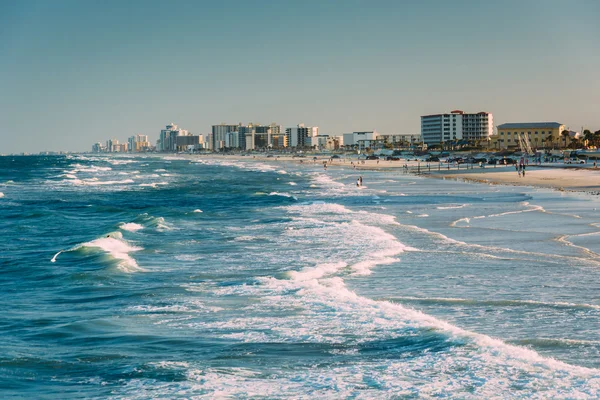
column 301, row 136
column 456, row 125
column 221, row 136
column 138, row 143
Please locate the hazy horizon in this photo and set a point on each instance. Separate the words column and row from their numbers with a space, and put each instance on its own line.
column 75, row 73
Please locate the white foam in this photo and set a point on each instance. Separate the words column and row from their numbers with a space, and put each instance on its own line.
column 452, row 207
column 197, row 210
column 131, row 226
column 56, row 255
column 96, row 183
column 118, row 249
column 283, row 195
column 293, row 183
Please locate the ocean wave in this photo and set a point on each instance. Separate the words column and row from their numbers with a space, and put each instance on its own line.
column 96, row 182
column 119, row 249
column 283, row 195
column 453, row 207
column 153, row 184
column 131, row 226
column 114, row 245
column 499, row 303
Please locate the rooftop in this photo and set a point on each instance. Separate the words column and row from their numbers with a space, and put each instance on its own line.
column 529, row 125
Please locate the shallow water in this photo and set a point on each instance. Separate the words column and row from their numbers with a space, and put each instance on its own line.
column 172, row 278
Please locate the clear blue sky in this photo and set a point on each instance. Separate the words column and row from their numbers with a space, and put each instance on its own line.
column 76, row 72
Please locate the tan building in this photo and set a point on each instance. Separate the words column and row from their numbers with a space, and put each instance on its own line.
column 540, row 134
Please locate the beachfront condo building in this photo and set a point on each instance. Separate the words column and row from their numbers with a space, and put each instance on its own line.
column 257, row 136
column 397, row 140
column 456, row 127
column 359, row 140
column 224, row 135
column 246, row 137
column 167, row 140
column 301, row 136
column 539, row 135
column 138, row 143
column 98, row 148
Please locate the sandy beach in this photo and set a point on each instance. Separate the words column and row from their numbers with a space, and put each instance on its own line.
column 573, row 179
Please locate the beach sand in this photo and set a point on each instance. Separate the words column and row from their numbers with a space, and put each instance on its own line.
column 572, row 179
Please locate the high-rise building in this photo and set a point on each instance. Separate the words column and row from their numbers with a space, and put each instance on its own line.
column 221, row 136
column 456, row 126
column 168, row 137
column 301, row 136
column 98, row 148
column 112, row 145
column 138, row 143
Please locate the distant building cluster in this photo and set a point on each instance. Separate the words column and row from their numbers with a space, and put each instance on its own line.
column 454, row 129
column 135, row 144
column 255, row 137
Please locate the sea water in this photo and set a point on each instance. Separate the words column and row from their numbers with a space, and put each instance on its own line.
column 173, row 277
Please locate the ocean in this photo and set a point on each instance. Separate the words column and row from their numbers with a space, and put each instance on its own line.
column 174, row 277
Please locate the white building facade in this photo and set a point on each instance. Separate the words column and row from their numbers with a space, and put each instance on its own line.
column 359, row 139
column 168, row 137
column 301, row 136
column 456, row 126
column 138, row 143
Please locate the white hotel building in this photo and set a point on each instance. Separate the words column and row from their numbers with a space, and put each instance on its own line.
column 456, row 126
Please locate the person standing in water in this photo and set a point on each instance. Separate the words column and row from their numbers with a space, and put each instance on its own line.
column 360, row 180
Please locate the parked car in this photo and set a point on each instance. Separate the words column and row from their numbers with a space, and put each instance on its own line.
column 458, row 160
column 372, row 158
column 575, row 161
column 392, row 158
column 335, row 156
column 432, row 159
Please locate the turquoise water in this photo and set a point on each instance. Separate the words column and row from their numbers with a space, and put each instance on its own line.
column 165, row 277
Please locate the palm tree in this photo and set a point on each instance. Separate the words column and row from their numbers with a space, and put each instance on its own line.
column 565, row 135
column 588, row 136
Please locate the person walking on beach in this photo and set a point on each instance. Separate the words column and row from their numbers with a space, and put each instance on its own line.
column 523, row 171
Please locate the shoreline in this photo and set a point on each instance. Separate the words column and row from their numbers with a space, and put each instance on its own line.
column 559, row 177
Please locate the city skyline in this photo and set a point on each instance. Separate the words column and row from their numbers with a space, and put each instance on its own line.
column 74, row 74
